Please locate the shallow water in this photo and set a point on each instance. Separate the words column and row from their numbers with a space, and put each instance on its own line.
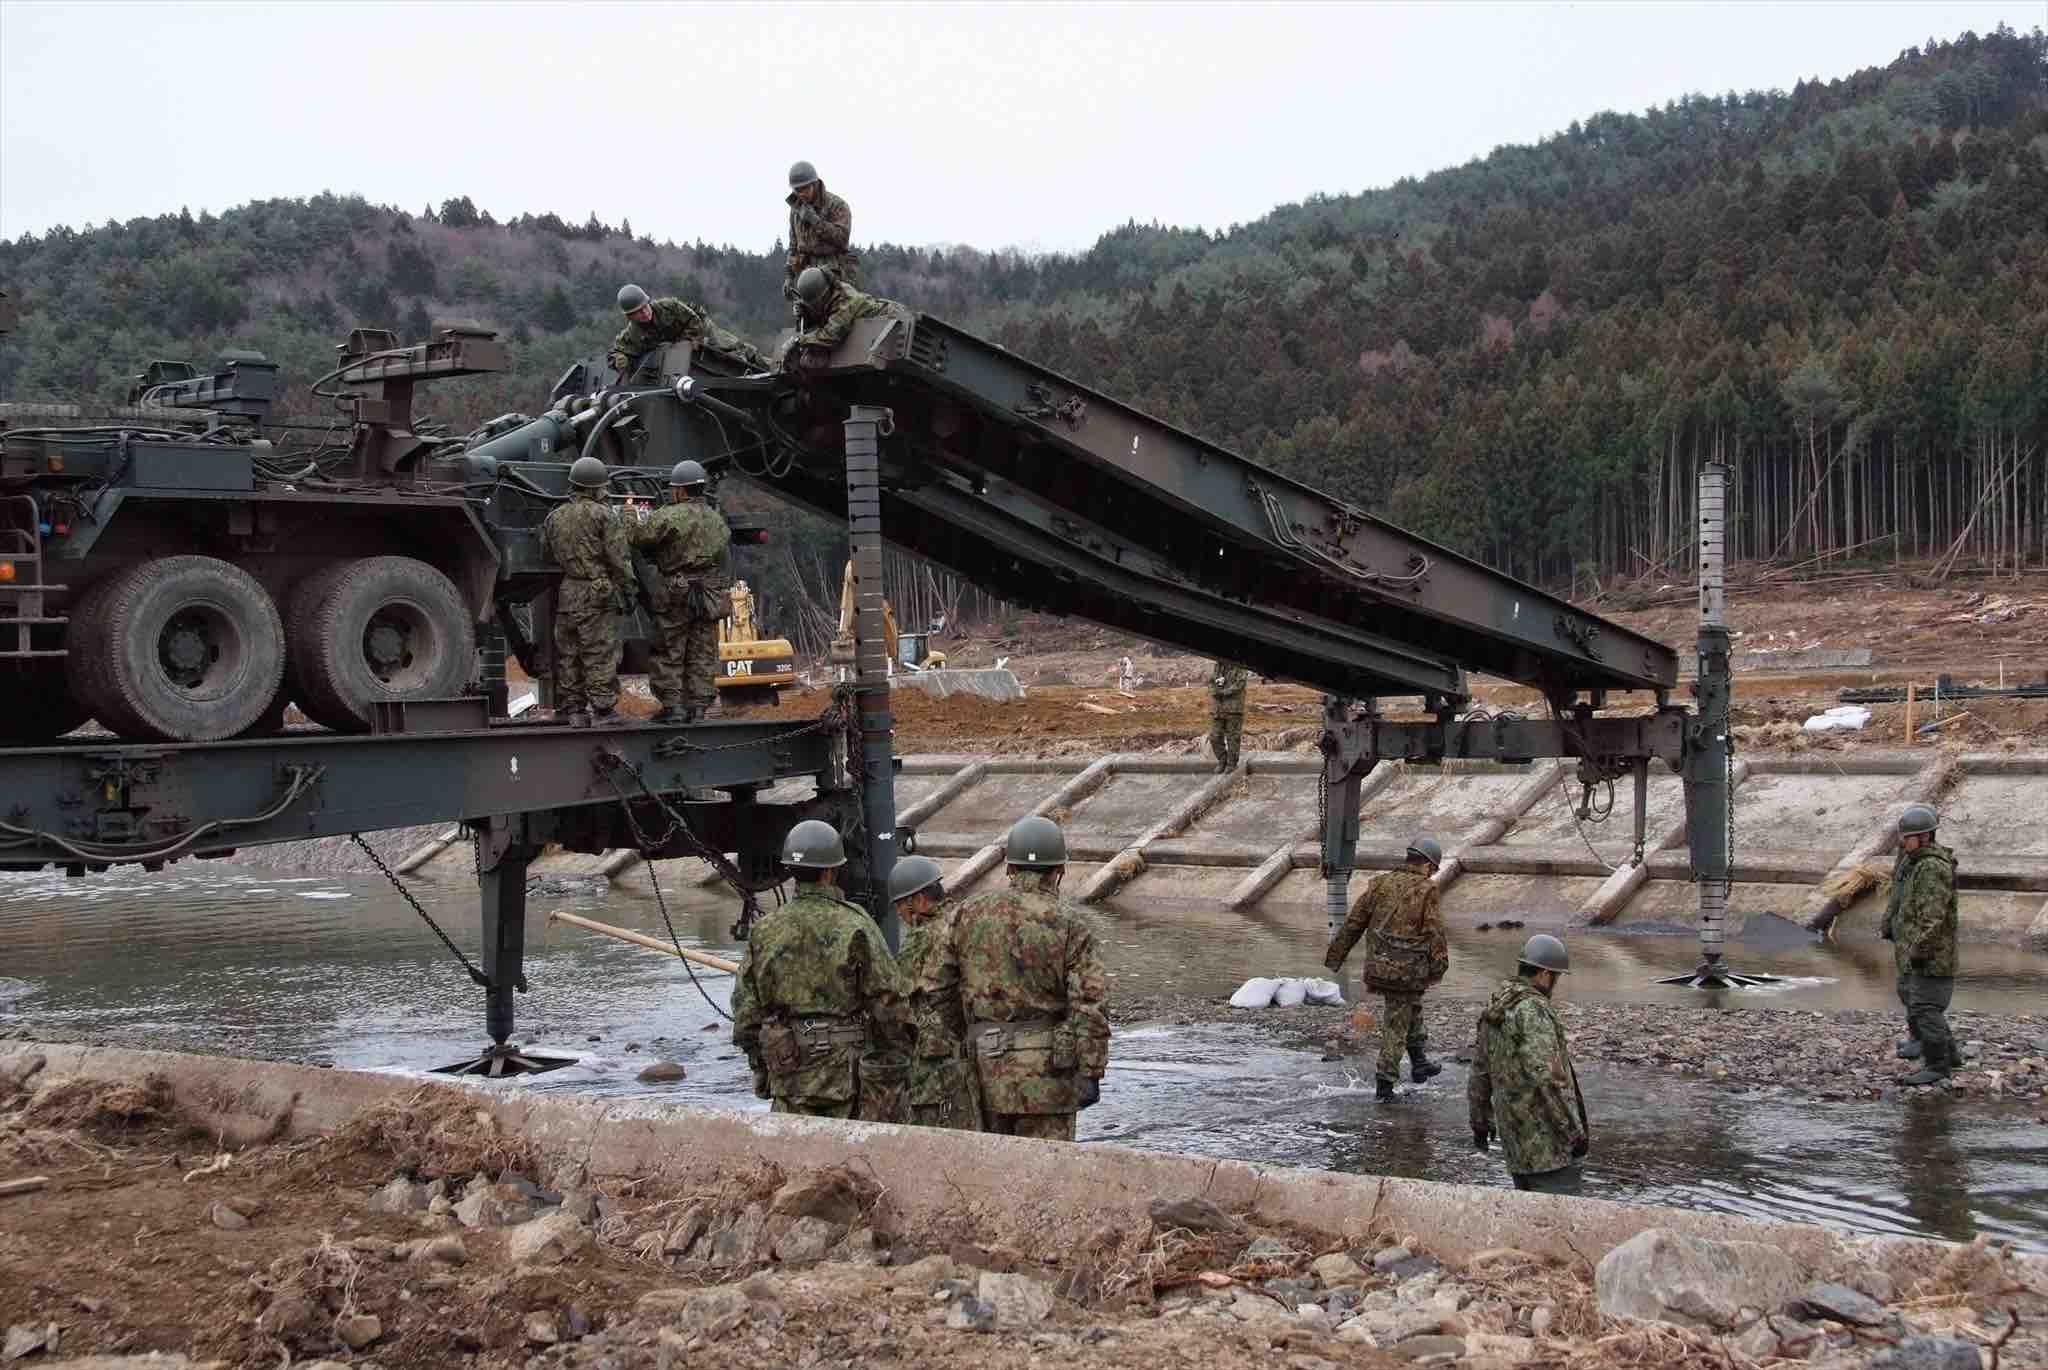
column 338, row 969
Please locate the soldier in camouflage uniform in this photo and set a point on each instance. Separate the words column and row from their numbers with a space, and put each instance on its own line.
column 820, row 230
column 1523, row 1088
column 1226, row 712
column 1920, row 923
column 1030, row 987
column 944, row 1090
column 657, row 323
column 1400, row 915
column 686, row 539
column 827, row 310
column 820, row 1007
column 587, row 539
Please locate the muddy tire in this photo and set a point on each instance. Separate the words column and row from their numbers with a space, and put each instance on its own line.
column 179, row 649
column 39, row 706
column 383, row 628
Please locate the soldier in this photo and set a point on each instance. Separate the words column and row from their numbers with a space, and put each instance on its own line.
column 819, row 1000
column 686, row 539
column 654, row 323
column 1523, row 1089
column 587, row 539
column 1920, row 923
column 1031, row 990
column 828, row 310
column 820, row 230
column 1226, row 712
column 1400, row 915
column 943, row 1089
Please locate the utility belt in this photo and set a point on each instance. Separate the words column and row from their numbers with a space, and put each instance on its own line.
column 1049, row 1035
column 791, row 1044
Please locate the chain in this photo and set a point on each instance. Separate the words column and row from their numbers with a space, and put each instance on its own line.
column 399, row 885
column 1578, row 823
column 662, row 904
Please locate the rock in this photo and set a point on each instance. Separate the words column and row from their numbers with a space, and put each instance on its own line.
column 547, row 1241
column 443, row 1250
column 1313, row 1315
column 540, row 1329
column 1292, row 1290
column 1928, row 1353
column 359, row 1329
column 663, row 1073
column 837, row 1195
column 1390, row 1256
column 740, row 1241
column 1269, row 1247
column 1660, row 1275
column 1196, row 1215
column 1310, row 1363
column 223, row 1216
column 862, row 1247
column 1416, row 1348
column 493, row 1205
column 555, row 886
column 1509, row 1350
column 921, row 1276
column 1337, row 1268
column 808, row 1239
column 587, row 1205
column 400, row 1196
column 1838, row 1303
column 1876, row 1284
column 289, row 1318
column 716, row 1311
column 1246, row 1306
column 1342, row 1300
column 1018, row 1300
column 25, row 1338
column 969, row 1314
column 1541, row 1319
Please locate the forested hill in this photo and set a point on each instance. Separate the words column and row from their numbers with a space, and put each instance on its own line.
column 1842, row 289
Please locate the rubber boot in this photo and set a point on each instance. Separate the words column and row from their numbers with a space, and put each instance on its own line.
column 1909, row 1050
column 669, row 718
column 1926, row 1075
column 1383, row 1088
column 578, row 718
column 1421, row 1068
column 606, row 718
column 695, row 713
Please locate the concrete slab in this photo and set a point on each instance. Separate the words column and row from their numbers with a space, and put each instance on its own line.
column 1270, row 809
column 1448, row 803
column 2005, row 815
column 1126, row 806
column 1829, row 813
column 1549, row 898
column 992, row 806
column 1549, row 822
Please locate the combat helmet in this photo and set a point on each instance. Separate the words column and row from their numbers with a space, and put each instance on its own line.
column 1036, row 844
column 631, row 297
column 813, row 845
column 1545, row 952
column 1918, row 818
column 801, row 174
column 812, row 286
column 588, row 473
column 910, row 875
column 1428, row 848
column 687, row 473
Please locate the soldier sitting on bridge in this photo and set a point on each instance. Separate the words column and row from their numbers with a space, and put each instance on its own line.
column 656, row 323
column 828, row 310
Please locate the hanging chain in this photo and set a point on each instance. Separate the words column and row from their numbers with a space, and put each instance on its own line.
column 662, row 904
column 399, row 885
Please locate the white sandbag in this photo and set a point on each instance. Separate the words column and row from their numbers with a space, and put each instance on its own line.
column 1843, row 717
column 1324, row 991
column 1290, row 993
column 1256, row 992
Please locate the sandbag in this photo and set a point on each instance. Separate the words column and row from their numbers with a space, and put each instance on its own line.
column 1256, row 992
column 1290, row 993
column 1324, row 991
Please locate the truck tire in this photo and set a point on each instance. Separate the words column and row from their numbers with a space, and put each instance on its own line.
column 179, row 649
column 383, row 628
column 40, row 704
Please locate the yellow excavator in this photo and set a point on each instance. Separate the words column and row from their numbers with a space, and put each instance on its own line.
column 750, row 669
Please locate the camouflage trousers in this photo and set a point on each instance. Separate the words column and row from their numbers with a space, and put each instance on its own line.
column 1400, row 1030
column 1566, row 1179
column 945, row 1092
column 1927, row 998
column 1048, row 1127
column 586, row 646
column 685, row 660
column 1226, row 731
column 835, row 1108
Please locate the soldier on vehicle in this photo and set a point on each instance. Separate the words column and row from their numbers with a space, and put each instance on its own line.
column 820, row 230
column 587, row 539
column 944, row 1091
column 656, row 323
column 1400, row 915
column 819, row 1000
column 1227, row 684
column 1523, row 1088
column 827, row 310
column 1920, row 923
column 686, row 539
column 1030, row 988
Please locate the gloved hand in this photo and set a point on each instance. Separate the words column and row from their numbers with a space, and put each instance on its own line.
column 761, row 1084
column 1480, row 1137
column 1091, row 1092
column 1579, row 1147
column 806, row 214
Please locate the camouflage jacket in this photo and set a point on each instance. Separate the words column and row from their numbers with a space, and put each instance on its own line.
column 675, row 322
column 1523, row 1086
column 587, row 539
column 1920, row 918
column 819, row 961
column 849, row 307
column 1400, row 915
column 685, row 539
column 1227, row 687
column 823, row 241
column 944, row 1089
column 1018, row 955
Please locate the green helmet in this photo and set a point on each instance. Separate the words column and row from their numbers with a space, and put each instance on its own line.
column 814, row 845
column 912, row 874
column 588, row 473
column 1546, row 953
column 1036, row 844
column 631, row 297
column 801, row 174
column 687, row 473
column 1917, row 818
column 812, row 286
column 1428, row 849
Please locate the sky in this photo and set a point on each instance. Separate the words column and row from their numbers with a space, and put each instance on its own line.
column 1007, row 125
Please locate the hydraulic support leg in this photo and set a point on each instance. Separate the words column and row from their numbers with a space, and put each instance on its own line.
column 865, row 426
column 505, row 849
column 1344, row 769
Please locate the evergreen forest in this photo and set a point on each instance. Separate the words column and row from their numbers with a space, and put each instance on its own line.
column 1841, row 290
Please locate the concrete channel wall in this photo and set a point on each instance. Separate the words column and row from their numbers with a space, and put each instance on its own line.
column 1143, row 829
column 1056, row 1191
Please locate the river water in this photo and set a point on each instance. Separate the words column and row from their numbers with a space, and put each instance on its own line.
column 337, row 969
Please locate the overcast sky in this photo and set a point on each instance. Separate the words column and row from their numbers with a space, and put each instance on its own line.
column 1030, row 125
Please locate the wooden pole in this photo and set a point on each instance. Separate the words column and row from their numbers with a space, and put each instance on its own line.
column 702, row 958
column 1909, row 713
